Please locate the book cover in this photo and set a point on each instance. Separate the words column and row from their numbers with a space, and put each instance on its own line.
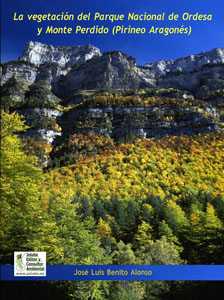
column 112, row 161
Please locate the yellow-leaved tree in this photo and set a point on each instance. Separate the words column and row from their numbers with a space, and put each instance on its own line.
column 23, row 220
column 26, row 224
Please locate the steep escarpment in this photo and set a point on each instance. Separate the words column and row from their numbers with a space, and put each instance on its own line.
column 18, row 69
column 188, row 63
column 78, row 67
column 112, row 70
column 189, row 72
column 38, row 53
column 140, row 113
column 192, row 81
column 63, row 91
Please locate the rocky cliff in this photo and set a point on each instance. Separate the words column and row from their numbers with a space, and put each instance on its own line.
column 113, row 70
column 38, row 53
column 188, row 63
column 70, row 68
column 74, row 90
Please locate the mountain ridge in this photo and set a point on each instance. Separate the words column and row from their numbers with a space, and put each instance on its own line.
column 210, row 54
column 74, row 90
column 38, row 53
column 31, row 45
column 77, row 67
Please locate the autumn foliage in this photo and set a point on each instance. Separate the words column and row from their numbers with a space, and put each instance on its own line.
column 155, row 201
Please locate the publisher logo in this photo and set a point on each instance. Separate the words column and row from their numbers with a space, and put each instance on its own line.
column 29, row 263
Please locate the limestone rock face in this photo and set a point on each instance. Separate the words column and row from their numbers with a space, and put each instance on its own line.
column 38, row 53
column 68, row 69
column 146, row 122
column 191, row 81
column 41, row 122
column 111, row 70
column 48, row 85
column 20, row 70
column 188, row 63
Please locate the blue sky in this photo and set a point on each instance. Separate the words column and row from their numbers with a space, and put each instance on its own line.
column 145, row 48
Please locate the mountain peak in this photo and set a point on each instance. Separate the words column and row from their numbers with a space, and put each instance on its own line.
column 188, row 63
column 38, row 53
